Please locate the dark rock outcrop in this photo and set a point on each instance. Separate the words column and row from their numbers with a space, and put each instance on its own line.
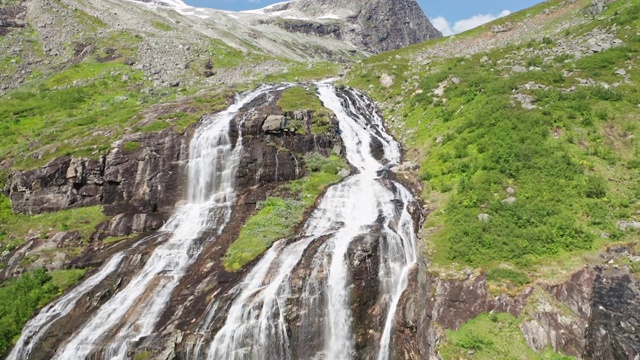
column 595, row 314
column 12, row 17
column 374, row 26
column 133, row 183
column 614, row 327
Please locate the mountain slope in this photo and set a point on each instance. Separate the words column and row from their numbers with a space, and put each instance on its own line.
column 521, row 137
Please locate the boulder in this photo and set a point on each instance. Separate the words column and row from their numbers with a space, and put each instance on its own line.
column 274, row 124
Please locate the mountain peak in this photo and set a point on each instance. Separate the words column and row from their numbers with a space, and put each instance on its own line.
column 371, row 25
column 377, row 25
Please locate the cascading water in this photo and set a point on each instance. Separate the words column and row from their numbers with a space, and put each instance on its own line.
column 255, row 326
column 255, row 323
column 133, row 312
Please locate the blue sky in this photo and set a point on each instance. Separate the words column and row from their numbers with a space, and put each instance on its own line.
column 450, row 16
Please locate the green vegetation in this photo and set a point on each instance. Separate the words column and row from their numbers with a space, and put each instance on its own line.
column 515, row 277
column 143, row 355
column 298, row 98
column 492, row 336
column 297, row 71
column 277, row 216
column 20, row 298
column 161, row 26
column 15, row 227
column 131, row 146
column 56, row 112
column 275, row 219
column 550, row 179
column 225, row 56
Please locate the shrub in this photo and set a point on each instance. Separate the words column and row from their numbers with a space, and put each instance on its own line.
column 513, row 276
column 274, row 221
column 19, row 299
column 131, row 146
column 595, row 187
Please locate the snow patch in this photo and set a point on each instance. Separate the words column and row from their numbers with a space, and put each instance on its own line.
column 330, row 16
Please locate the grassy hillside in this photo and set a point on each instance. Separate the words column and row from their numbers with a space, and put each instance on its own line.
column 529, row 153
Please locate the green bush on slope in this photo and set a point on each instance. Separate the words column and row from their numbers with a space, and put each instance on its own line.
column 488, row 337
column 21, row 297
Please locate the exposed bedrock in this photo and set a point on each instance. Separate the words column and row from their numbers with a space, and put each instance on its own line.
column 595, row 314
column 374, row 26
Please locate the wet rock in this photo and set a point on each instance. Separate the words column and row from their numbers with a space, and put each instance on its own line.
column 143, row 181
column 616, row 301
column 364, row 261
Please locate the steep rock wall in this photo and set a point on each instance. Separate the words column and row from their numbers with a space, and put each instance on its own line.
column 592, row 315
column 376, row 26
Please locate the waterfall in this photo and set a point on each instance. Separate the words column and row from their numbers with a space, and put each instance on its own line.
column 255, row 327
column 251, row 319
column 133, row 312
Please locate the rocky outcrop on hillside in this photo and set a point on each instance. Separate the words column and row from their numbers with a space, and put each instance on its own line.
column 375, row 26
column 594, row 314
column 140, row 175
column 11, row 17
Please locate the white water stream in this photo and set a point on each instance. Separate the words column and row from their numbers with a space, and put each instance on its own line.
column 255, row 327
column 133, row 312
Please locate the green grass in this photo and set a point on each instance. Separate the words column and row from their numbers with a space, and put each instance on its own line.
column 161, row 26
column 515, row 277
column 299, row 98
column 489, row 337
column 64, row 279
column 298, row 71
column 143, row 355
column 64, row 116
column 15, row 227
column 20, row 298
column 277, row 217
column 131, row 146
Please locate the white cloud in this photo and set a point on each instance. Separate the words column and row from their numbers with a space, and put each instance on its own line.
column 443, row 25
column 447, row 28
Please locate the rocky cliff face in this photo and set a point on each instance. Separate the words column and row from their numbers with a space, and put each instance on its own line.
column 139, row 181
column 375, row 26
column 592, row 315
